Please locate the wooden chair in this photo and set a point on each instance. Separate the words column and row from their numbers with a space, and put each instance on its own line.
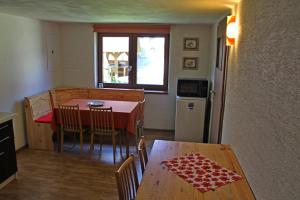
column 139, row 124
column 140, row 120
column 70, row 121
column 127, row 180
column 102, row 124
column 142, row 154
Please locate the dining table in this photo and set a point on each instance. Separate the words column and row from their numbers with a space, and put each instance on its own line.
column 125, row 114
column 160, row 183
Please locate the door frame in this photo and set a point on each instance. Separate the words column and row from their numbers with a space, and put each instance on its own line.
column 221, row 36
column 226, row 54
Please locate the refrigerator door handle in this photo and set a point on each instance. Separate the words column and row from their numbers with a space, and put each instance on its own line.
column 212, row 92
column 191, row 106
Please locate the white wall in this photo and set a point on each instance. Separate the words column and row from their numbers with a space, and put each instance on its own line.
column 160, row 109
column 77, row 42
column 213, row 52
column 262, row 118
column 78, row 67
column 23, row 65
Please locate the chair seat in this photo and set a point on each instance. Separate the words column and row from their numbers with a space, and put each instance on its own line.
column 76, row 131
column 105, row 133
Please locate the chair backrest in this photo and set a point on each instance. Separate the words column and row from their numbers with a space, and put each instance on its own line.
column 141, row 111
column 127, row 180
column 69, row 118
column 102, row 120
column 142, row 153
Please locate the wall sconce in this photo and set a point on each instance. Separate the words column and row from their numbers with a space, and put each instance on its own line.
column 231, row 30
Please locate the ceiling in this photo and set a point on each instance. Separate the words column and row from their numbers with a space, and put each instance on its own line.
column 120, row 11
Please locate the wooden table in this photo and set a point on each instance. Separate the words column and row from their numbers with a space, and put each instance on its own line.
column 159, row 183
column 124, row 112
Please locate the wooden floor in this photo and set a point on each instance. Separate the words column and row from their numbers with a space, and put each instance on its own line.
column 46, row 175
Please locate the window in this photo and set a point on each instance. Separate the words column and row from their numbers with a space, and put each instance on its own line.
column 133, row 60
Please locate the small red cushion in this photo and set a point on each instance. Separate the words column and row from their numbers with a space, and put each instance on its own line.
column 45, row 118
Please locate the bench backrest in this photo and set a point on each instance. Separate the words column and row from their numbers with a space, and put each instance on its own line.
column 37, row 105
column 117, row 94
column 61, row 95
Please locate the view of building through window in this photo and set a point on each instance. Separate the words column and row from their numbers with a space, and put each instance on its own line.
column 115, row 59
column 150, row 60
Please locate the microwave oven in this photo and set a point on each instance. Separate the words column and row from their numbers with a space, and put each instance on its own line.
column 192, row 88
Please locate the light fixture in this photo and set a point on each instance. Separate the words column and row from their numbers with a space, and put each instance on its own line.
column 231, row 30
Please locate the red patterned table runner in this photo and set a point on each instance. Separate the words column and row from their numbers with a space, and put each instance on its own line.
column 202, row 173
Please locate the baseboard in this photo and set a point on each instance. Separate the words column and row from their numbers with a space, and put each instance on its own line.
column 8, row 180
column 22, row 148
column 163, row 130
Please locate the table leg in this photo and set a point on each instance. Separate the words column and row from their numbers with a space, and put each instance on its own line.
column 127, row 143
column 56, row 140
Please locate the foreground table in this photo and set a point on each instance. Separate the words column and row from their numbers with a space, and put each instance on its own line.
column 159, row 183
column 124, row 112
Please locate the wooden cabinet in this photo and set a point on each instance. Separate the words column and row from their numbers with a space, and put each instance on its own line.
column 8, row 162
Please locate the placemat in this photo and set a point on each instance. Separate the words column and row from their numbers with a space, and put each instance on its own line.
column 203, row 173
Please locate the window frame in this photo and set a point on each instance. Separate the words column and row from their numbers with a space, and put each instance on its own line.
column 132, row 61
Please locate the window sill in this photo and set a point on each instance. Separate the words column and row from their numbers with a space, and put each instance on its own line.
column 146, row 91
column 155, row 92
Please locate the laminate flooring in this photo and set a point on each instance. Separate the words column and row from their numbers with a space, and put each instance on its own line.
column 44, row 175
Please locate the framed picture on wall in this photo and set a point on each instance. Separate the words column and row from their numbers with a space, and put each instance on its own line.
column 190, row 44
column 190, row 63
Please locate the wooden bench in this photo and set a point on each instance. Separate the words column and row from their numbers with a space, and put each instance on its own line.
column 61, row 95
column 39, row 132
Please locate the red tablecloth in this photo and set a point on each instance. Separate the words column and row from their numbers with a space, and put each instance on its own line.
column 125, row 112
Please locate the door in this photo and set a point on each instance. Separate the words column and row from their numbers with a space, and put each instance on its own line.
column 219, row 87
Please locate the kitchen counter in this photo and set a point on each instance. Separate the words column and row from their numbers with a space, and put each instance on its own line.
column 5, row 116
